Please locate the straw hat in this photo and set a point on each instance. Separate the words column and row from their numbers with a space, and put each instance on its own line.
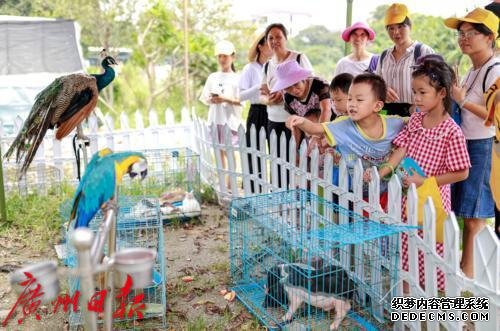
column 252, row 51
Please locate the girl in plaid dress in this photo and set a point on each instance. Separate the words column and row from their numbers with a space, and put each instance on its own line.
column 433, row 140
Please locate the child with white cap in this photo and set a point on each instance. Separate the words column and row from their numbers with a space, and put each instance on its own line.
column 221, row 95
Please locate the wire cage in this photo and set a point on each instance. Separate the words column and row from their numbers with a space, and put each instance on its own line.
column 40, row 178
column 132, row 230
column 294, row 268
column 173, row 174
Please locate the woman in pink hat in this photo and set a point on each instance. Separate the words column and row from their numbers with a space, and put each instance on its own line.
column 360, row 60
column 304, row 95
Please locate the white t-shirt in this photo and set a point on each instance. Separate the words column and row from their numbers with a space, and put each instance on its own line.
column 223, row 84
column 277, row 113
column 347, row 65
column 250, row 82
column 472, row 125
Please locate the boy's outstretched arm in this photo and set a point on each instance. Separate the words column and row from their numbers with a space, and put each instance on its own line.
column 305, row 125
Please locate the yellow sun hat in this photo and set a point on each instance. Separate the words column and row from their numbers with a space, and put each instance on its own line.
column 477, row 16
column 396, row 14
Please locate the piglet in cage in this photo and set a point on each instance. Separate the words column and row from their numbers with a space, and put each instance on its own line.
column 293, row 284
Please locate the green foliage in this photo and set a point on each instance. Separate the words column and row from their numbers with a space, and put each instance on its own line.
column 208, row 194
column 323, row 48
column 154, row 75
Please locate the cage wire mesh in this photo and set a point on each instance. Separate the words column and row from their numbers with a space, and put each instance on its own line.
column 293, row 267
column 172, row 174
column 132, row 230
column 40, row 178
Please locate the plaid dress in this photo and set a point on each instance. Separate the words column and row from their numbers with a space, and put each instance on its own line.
column 437, row 151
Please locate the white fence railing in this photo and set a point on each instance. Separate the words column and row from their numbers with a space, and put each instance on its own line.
column 59, row 154
column 305, row 175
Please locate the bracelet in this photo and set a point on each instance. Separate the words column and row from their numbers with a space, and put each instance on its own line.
column 387, row 165
column 461, row 104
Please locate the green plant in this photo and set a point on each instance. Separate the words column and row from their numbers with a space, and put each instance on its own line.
column 34, row 218
column 208, row 194
column 197, row 324
column 220, row 267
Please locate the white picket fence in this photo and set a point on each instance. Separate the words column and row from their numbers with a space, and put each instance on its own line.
column 199, row 136
column 487, row 246
column 54, row 156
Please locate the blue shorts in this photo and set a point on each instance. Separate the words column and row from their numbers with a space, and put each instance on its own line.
column 472, row 197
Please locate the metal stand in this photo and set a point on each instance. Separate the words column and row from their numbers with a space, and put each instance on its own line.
column 107, row 230
column 83, row 141
column 82, row 239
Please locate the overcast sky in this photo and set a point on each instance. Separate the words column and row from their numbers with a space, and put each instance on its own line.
column 331, row 13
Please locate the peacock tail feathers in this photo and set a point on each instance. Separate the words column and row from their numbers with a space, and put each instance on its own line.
column 50, row 105
column 62, row 106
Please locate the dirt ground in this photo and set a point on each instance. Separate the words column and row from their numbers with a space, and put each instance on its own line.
column 199, row 249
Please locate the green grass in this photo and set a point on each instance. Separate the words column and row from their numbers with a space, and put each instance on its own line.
column 35, row 218
column 197, row 324
column 220, row 267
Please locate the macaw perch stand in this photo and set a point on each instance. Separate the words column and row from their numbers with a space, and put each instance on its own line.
column 90, row 253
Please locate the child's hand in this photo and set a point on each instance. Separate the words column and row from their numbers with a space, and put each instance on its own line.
column 413, row 177
column 314, row 142
column 458, row 93
column 293, row 121
column 367, row 175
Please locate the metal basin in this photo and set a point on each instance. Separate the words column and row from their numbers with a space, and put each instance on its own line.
column 136, row 262
column 45, row 274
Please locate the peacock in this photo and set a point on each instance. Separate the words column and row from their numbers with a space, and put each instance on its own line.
column 61, row 106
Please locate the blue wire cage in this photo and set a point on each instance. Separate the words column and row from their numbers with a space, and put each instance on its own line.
column 172, row 173
column 132, row 230
column 294, row 267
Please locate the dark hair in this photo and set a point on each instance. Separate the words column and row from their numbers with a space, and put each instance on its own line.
column 341, row 82
column 406, row 21
column 278, row 26
column 375, row 81
column 261, row 42
column 441, row 76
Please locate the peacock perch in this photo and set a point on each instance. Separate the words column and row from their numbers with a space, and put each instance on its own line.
column 61, row 106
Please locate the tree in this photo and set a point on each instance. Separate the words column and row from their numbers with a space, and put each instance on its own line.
column 323, row 48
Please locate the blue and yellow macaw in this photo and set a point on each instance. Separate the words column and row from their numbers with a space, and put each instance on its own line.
column 104, row 171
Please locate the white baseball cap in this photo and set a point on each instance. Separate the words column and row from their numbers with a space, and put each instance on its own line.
column 224, row 47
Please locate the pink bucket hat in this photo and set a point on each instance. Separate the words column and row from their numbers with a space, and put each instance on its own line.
column 358, row 25
column 289, row 73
